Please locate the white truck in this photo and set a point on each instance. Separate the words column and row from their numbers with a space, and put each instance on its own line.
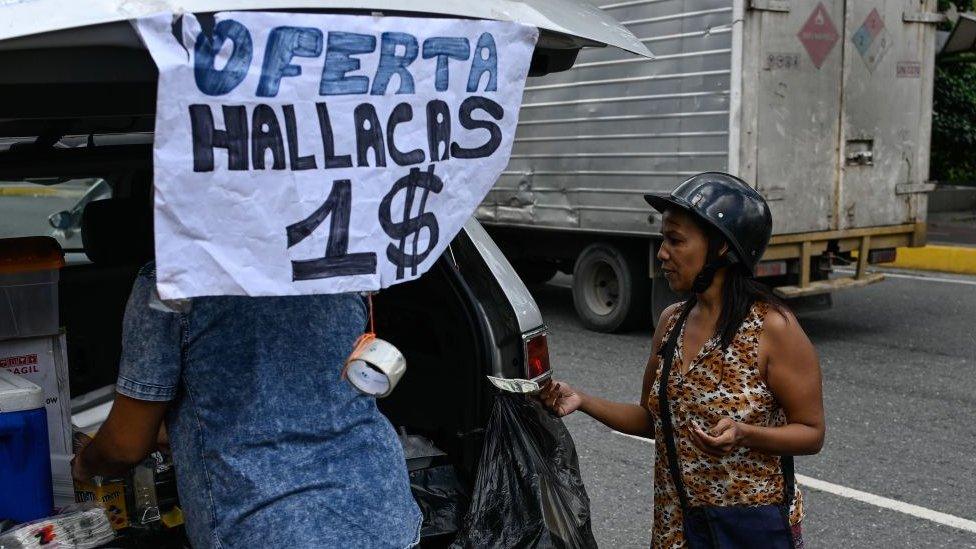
column 825, row 106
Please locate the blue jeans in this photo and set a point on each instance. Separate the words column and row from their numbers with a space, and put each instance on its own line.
column 272, row 448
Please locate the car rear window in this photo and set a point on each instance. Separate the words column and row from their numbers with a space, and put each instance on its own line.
column 49, row 208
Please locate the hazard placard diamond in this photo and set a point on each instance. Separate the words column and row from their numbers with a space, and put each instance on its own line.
column 872, row 40
column 818, row 35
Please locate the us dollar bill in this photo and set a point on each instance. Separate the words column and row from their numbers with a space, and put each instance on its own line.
column 522, row 386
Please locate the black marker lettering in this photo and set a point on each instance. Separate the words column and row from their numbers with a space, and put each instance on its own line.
column 494, row 132
column 297, row 162
column 401, row 113
column 266, row 139
column 336, row 261
column 438, row 129
column 369, row 135
column 206, row 137
column 328, row 141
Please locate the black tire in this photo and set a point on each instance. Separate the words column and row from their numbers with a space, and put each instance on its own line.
column 535, row 272
column 611, row 291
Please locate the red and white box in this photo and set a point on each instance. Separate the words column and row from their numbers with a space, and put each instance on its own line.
column 44, row 361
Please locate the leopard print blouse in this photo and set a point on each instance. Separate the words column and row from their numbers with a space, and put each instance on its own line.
column 719, row 384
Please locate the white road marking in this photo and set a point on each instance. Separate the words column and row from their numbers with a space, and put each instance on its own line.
column 916, row 277
column 888, row 503
column 870, row 499
column 635, row 437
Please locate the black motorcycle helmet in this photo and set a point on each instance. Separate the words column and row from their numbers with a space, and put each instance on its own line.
column 728, row 204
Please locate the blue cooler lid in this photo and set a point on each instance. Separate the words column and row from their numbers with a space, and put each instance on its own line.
column 18, row 394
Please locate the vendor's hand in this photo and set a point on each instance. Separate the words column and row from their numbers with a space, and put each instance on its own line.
column 78, row 472
column 162, row 440
column 727, row 435
column 560, row 398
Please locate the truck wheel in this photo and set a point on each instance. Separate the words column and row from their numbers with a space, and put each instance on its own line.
column 535, row 272
column 610, row 289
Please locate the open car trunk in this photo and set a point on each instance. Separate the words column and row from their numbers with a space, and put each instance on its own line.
column 436, row 321
column 454, row 325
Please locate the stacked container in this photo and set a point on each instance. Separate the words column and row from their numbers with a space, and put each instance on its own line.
column 29, row 286
column 31, row 343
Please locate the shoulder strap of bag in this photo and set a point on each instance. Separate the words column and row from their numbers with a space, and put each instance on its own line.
column 667, row 358
column 789, row 479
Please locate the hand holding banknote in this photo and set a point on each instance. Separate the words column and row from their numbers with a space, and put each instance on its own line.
column 560, row 398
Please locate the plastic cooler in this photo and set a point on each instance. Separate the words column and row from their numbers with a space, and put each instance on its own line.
column 29, row 286
column 25, row 460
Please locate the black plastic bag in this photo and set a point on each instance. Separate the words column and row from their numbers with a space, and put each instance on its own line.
column 441, row 498
column 528, row 492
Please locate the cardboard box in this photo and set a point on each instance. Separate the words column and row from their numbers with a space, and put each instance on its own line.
column 62, row 483
column 44, row 361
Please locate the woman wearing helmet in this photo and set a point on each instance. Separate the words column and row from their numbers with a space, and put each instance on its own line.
column 742, row 381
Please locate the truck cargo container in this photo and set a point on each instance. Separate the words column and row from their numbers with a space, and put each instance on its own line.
column 825, row 106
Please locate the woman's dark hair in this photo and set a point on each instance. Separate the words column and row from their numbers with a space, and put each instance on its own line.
column 740, row 291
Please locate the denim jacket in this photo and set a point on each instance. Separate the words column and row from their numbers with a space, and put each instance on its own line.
column 272, row 448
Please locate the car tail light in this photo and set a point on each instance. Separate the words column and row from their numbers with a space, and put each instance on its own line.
column 536, row 355
column 771, row 268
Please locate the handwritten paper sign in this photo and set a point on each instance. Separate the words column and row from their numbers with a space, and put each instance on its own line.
column 311, row 153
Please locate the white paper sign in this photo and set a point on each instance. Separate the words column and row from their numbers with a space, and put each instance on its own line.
column 310, row 153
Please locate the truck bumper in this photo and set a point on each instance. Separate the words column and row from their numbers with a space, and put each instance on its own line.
column 828, row 286
column 805, row 247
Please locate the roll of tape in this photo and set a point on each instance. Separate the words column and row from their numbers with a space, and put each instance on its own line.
column 375, row 366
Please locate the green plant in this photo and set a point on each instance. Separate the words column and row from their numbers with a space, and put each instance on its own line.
column 954, row 114
column 961, row 5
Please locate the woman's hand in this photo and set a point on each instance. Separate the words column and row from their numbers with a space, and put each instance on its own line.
column 726, row 436
column 560, row 398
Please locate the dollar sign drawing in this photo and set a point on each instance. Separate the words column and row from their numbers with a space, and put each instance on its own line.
column 411, row 225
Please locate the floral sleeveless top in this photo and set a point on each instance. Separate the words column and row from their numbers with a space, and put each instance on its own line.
column 718, row 385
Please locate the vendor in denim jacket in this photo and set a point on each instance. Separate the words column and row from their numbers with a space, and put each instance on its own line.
column 272, row 448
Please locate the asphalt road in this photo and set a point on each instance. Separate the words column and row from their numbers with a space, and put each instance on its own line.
column 899, row 365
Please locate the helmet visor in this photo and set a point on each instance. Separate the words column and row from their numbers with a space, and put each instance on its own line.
column 663, row 202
